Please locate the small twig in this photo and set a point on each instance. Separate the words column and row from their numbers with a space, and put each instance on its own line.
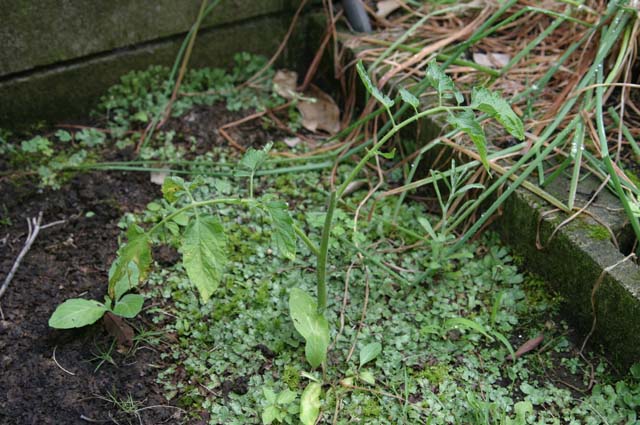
column 34, row 228
column 596, row 286
column 58, row 364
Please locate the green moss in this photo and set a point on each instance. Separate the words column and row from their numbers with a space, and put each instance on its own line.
column 435, row 374
column 594, row 231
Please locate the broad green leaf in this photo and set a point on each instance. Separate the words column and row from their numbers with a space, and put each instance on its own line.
column 171, row 187
column 310, row 403
column 409, row 98
column 367, row 376
column 129, row 306
column 461, row 322
column 128, row 281
column 283, row 235
column 313, row 327
column 371, row 88
column 442, row 82
column 270, row 414
column 269, row 395
column 286, row 397
column 369, row 352
column 204, row 254
column 499, row 109
column 76, row 313
column 467, row 122
column 253, row 159
column 138, row 250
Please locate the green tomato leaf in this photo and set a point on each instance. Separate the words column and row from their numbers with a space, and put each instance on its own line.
column 367, row 376
column 442, row 82
column 283, row 236
column 371, row 88
column 138, row 250
column 76, row 313
column 499, row 109
column 204, row 254
column 310, row 403
column 467, row 122
column 409, row 98
column 313, row 327
column 128, row 281
column 129, row 306
column 171, row 188
column 253, row 159
column 369, row 352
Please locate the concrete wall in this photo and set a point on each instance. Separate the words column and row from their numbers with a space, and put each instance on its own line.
column 58, row 56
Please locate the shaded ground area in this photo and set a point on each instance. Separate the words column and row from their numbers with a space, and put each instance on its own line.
column 69, row 260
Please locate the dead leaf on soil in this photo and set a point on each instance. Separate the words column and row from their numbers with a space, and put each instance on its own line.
column 118, row 329
column 285, row 82
column 292, row 142
column 158, row 177
column 491, row 60
column 321, row 114
column 530, row 345
column 386, row 7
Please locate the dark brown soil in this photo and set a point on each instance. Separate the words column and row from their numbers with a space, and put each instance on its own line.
column 70, row 260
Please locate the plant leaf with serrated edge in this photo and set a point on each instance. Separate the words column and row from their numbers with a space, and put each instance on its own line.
column 442, row 82
column 170, row 188
column 313, row 327
column 409, row 98
column 204, row 254
column 371, row 88
column 129, row 306
column 499, row 109
column 466, row 121
column 124, row 285
column 369, row 352
column 283, row 235
column 310, row 403
column 76, row 313
column 138, row 250
column 253, row 159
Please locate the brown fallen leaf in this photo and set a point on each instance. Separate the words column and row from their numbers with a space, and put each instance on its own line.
column 284, row 83
column 386, row 7
column 320, row 114
column 530, row 345
column 118, row 329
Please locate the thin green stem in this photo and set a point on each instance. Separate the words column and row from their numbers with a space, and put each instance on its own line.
column 312, row 247
column 322, row 254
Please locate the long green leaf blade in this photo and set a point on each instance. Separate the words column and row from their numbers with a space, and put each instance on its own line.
column 310, row 403
column 204, row 254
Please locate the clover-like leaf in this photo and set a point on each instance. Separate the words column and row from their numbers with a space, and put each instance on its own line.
column 204, row 254
column 313, row 326
column 76, row 313
column 499, row 109
column 467, row 122
column 371, row 88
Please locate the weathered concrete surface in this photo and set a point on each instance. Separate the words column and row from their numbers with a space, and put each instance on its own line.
column 71, row 91
column 41, row 33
